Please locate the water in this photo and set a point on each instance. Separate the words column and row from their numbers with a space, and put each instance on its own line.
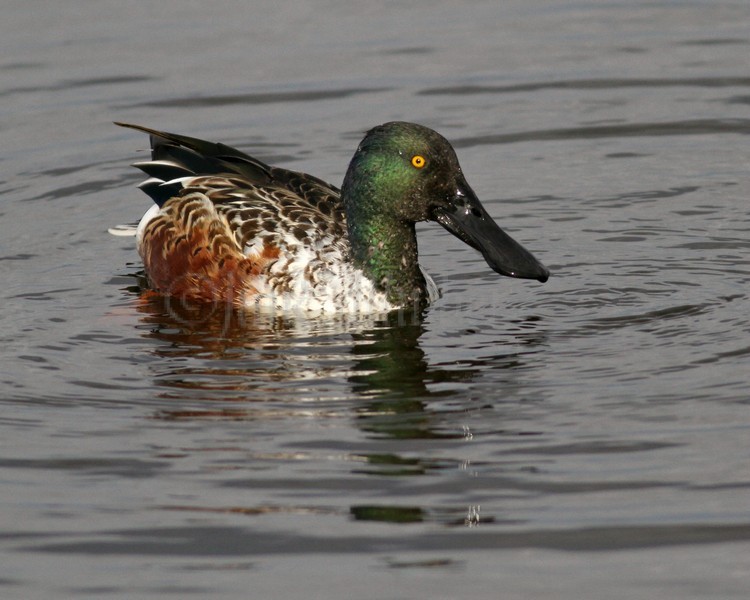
column 585, row 438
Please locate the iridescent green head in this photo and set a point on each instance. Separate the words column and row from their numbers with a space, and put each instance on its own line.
column 399, row 170
column 403, row 173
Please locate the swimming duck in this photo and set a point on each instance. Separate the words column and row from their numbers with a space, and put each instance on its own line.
column 226, row 227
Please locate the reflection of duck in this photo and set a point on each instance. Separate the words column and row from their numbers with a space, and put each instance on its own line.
column 227, row 227
column 264, row 365
column 217, row 353
column 392, row 374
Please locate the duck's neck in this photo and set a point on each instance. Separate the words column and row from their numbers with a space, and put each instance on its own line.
column 386, row 251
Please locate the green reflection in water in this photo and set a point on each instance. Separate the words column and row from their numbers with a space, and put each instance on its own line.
column 388, row 514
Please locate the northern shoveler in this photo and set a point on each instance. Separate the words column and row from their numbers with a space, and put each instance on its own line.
column 227, row 227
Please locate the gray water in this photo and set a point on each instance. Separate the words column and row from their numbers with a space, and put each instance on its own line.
column 585, row 438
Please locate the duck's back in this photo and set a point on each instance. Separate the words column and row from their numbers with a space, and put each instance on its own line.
column 228, row 228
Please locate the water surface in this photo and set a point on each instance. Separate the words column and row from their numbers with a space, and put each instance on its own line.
column 585, row 438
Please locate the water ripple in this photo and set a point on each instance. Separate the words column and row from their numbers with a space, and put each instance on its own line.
column 589, row 84
column 667, row 128
column 253, row 98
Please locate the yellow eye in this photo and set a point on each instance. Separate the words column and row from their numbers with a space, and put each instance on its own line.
column 418, row 161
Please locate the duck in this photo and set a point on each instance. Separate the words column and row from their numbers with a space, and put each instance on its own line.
column 226, row 227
